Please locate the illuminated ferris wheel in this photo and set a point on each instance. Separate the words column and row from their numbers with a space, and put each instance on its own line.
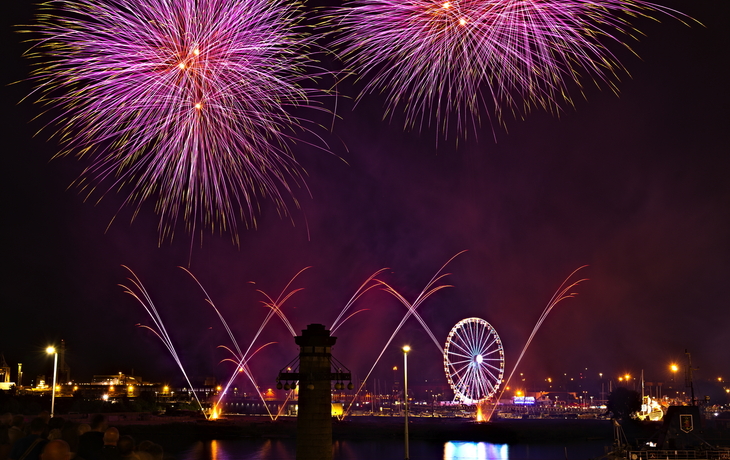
column 473, row 360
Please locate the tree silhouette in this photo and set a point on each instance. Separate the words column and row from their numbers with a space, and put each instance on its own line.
column 622, row 403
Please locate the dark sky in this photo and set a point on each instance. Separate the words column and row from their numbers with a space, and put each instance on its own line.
column 636, row 187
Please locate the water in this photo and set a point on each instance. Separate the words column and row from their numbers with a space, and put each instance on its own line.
column 389, row 449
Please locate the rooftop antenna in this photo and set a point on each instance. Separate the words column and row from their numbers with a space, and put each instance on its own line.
column 688, row 376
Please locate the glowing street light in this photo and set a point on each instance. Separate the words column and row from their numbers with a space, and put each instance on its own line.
column 406, row 349
column 674, row 368
column 52, row 351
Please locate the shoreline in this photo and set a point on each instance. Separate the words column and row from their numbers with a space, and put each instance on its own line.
column 503, row 431
column 373, row 428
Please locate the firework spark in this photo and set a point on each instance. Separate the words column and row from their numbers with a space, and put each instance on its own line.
column 182, row 101
column 431, row 288
column 138, row 291
column 563, row 293
column 441, row 60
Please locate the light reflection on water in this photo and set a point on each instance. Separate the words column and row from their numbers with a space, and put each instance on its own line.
column 385, row 449
column 462, row 450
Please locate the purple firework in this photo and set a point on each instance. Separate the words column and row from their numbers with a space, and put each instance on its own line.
column 184, row 101
column 438, row 59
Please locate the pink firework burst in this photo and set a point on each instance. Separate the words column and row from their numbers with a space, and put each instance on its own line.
column 439, row 60
column 183, row 101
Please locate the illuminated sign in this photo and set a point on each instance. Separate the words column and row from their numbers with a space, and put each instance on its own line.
column 523, row 400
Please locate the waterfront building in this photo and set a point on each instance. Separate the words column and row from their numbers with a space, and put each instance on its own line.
column 5, row 383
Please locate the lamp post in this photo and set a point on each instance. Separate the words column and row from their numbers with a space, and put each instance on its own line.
column 52, row 351
column 406, row 349
column 674, row 368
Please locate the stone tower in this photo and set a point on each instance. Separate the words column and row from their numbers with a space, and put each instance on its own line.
column 314, row 419
column 4, row 370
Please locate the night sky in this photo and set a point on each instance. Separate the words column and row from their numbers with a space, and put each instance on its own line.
column 635, row 187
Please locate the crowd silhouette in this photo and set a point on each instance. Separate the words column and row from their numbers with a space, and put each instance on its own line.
column 55, row 438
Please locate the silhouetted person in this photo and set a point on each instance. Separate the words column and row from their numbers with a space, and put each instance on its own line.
column 16, row 429
column 54, row 428
column 126, row 448
column 110, row 450
column 31, row 446
column 83, row 428
column 91, row 442
column 6, row 421
column 148, row 450
column 57, row 449
column 70, row 434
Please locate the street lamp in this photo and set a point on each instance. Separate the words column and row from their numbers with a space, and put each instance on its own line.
column 406, row 349
column 52, row 351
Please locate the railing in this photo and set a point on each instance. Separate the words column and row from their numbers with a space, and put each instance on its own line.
column 678, row 454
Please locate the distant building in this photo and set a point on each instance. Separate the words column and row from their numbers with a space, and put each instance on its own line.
column 5, row 383
column 116, row 379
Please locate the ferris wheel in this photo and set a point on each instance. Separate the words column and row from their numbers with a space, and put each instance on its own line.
column 473, row 360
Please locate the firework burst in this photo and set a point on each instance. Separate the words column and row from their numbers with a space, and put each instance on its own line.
column 446, row 60
column 183, row 101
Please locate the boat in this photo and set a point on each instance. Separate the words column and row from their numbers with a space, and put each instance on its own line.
column 678, row 438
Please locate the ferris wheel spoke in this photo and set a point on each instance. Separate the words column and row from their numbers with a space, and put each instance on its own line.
column 480, row 337
column 490, row 366
column 486, row 377
column 480, row 389
column 460, row 355
column 491, row 375
column 487, row 346
column 461, row 348
column 462, row 361
column 462, row 370
column 491, row 352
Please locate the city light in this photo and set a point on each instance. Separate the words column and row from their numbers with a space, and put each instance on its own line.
column 52, row 351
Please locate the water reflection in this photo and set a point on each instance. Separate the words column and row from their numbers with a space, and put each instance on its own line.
column 383, row 449
column 214, row 450
column 462, row 450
